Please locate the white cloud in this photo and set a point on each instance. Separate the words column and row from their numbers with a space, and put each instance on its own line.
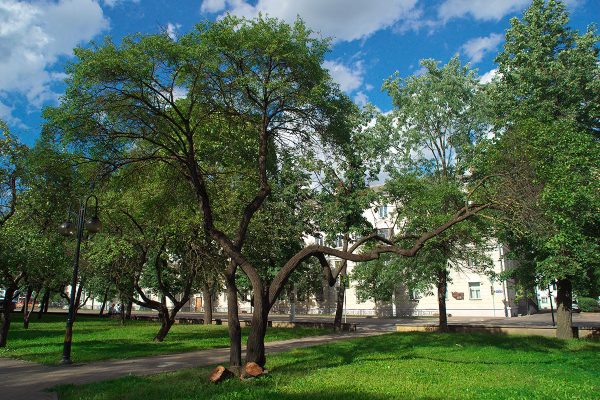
column 114, row 3
column 361, row 99
column 487, row 9
column 480, row 9
column 172, row 30
column 212, row 6
column 344, row 20
column 420, row 71
column 6, row 114
column 35, row 35
column 488, row 76
column 349, row 78
column 179, row 92
column 416, row 21
column 477, row 48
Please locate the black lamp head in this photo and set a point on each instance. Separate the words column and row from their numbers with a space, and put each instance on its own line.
column 66, row 228
column 93, row 225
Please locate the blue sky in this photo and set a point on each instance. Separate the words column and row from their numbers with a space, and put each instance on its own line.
column 372, row 38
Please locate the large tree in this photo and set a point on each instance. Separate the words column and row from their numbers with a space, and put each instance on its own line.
column 551, row 198
column 154, row 250
column 10, row 153
column 547, row 99
column 254, row 92
column 432, row 132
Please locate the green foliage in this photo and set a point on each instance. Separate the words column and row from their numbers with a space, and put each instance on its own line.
column 547, row 70
column 276, row 231
column 152, row 236
column 11, row 157
column 343, row 176
column 429, row 141
column 551, row 198
column 22, row 250
column 128, row 93
column 30, row 247
column 546, row 150
column 437, row 118
column 378, row 279
column 409, row 365
column 588, row 304
column 231, row 109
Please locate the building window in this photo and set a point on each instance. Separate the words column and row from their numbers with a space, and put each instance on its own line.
column 384, row 233
column 355, row 236
column 319, row 240
column 383, row 211
column 544, row 300
column 339, row 241
column 471, row 264
column 415, row 295
column 475, row 290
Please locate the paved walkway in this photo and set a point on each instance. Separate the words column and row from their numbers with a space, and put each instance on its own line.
column 24, row 380
column 537, row 320
column 540, row 319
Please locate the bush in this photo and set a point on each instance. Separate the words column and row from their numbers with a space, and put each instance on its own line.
column 587, row 304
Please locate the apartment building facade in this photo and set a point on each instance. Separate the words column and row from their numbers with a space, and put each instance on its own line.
column 469, row 293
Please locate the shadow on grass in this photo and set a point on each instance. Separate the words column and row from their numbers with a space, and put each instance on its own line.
column 448, row 348
column 233, row 390
column 312, row 372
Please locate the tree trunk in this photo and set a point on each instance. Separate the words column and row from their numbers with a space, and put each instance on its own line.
column 207, row 300
column 293, row 300
column 129, row 309
column 47, row 304
column 233, row 326
column 6, row 315
column 255, row 349
column 564, row 317
column 28, row 313
column 122, row 313
column 339, row 307
column 44, row 304
column 165, row 325
column 26, row 308
column 442, row 288
column 104, row 300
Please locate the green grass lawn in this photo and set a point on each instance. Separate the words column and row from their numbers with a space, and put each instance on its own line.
column 100, row 339
column 395, row 366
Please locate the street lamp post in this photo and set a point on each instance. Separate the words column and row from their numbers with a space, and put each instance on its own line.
column 93, row 225
column 551, row 306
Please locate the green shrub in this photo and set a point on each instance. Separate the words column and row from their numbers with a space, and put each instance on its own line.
column 587, row 304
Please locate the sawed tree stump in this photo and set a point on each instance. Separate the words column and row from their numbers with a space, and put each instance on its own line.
column 253, row 370
column 219, row 374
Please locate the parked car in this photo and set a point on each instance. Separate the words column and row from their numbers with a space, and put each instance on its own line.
column 575, row 306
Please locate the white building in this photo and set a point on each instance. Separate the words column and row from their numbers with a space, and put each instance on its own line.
column 546, row 297
column 469, row 293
